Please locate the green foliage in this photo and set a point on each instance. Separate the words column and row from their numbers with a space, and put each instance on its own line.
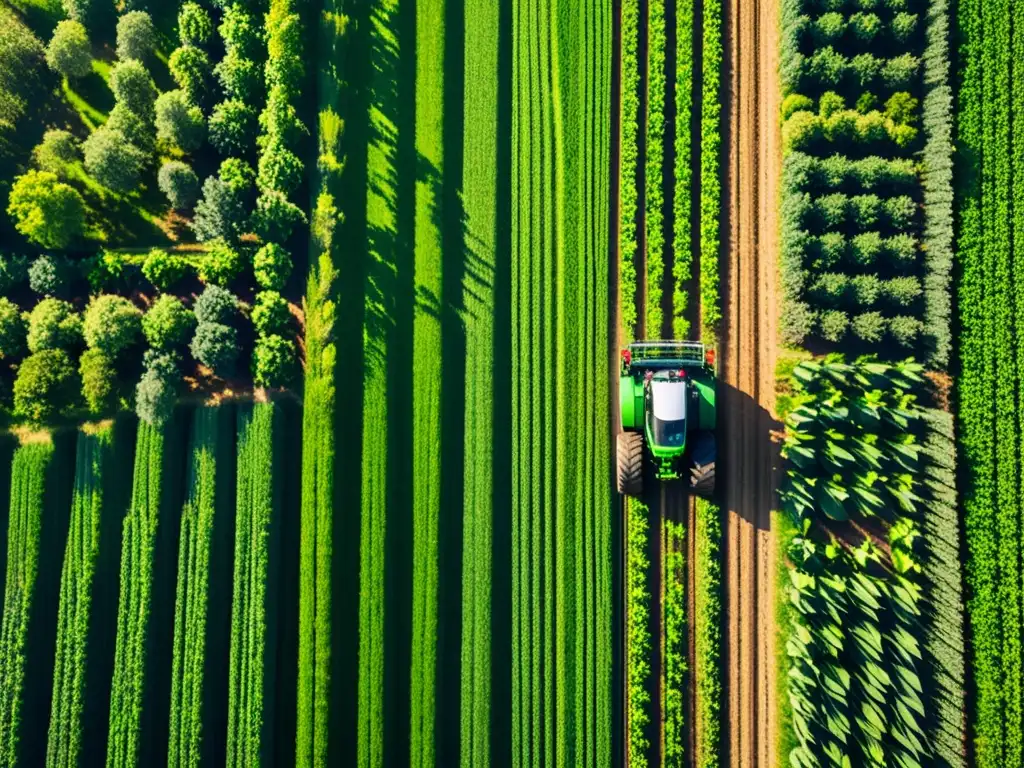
column 216, row 305
column 179, row 122
column 113, row 160
column 270, row 314
column 69, row 51
column 276, row 217
column 285, row 36
column 239, row 77
column 99, row 381
column 112, row 324
column 13, row 272
column 272, row 265
column 57, row 152
column 221, row 263
column 163, row 269
column 215, row 346
column 628, row 161
column 12, row 331
column 191, row 69
column 50, row 276
column 638, row 632
column 220, row 213
column 710, row 171
column 47, row 386
column 274, row 362
column 194, row 24
column 232, row 127
column 136, row 37
column 279, row 119
column 45, row 210
column 675, row 644
column 157, row 391
column 168, row 323
column 279, row 169
column 133, row 87
column 179, row 184
column 833, row 324
column 241, row 31
column 654, row 200
column 707, row 665
column 53, row 324
column 137, row 130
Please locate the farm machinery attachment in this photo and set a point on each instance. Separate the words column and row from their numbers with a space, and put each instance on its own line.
column 667, row 404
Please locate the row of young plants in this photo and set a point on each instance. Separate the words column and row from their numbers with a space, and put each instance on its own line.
column 683, row 171
column 708, row 618
column 629, row 203
column 253, row 631
column 638, row 632
column 862, row 262
column 674, row 643
column 711, row 169
column 654, row 190
column 29, row 479
column 991, row 287
column 853, row 453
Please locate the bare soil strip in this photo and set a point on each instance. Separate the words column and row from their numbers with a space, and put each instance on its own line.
column 748, row 362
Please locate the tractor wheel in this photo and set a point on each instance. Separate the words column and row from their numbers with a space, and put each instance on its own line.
column 629, row 449
column 702, row 473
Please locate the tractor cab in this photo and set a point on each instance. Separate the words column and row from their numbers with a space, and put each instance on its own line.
column 666, row 411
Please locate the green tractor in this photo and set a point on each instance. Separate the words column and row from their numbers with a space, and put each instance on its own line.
column 667, row 402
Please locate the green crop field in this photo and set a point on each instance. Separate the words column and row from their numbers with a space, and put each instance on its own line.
column 309, row 327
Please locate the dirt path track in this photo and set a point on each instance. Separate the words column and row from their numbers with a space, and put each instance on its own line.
column 748, row 362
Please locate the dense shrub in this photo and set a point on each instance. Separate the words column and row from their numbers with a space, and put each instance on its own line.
column 279, row 120
column 902, row 292
column 901, row 108
column 133, row 87
column 832, row 210
column 99, row 381
column 179, row 122
column 239, row 77
column 50, row 276
column 194, row 24
column 168, row 323
column 53, row 324
column 112, row 324
column 867, row 211
column 113, row 160
column 238, row 175
column 56, row 152
column 865, row 248
column 797, row 321
column 275, row 216
column 179, row 183
column 47, row 386
column 163, row 269
column 270, row 313
column 136, row 36
column 869, row 326
column 865, row 290
column 279, row 169
column 830, row 289
column 216, row 346
column 905, row 330
column 232, row 127
column 156, row 391
column 284, row 65
column 902, row 27
column 833, row 324
column 901, row 212
column 241, row 31
column 831, row 250
column 216, row 305
column 46, row 210
column 221, row 263
column 137, row 130
column 191, row 70
column 825, row 68
column 865, row 27
column 828, row 28
column 796, row 102
column 220, row 213
column 274, row 362
column 12, row 331
column 69, row 52
column 902, row 250
column 899, row 73
column 272, row 265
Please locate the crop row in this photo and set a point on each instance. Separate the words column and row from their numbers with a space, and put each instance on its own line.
column 629, row 298
column 710, row 171
column 654, row 192
column 638, row 632
column 74, row 613
column 991, row 215
column 257, row 505
column 28, row 484
column 674, row 580
column 708, row 616
column 682, row 201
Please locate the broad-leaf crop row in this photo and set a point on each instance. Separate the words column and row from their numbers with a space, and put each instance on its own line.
column 991, row 212
column 711, row 171
column 629, row 297
column 708, row 616
column 24, row 527
column 654, row 193
column 682, row 201
column 257, row 504
column 674, row 580
column 638, row 632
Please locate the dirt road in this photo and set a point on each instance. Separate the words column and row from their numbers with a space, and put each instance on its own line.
column 748, row 362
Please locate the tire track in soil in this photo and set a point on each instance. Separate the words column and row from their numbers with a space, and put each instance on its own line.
column 748, row 362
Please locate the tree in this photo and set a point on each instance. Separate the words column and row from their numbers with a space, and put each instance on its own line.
column 99, row 381
column 191, row 70
column 12, row 331
column 239, row 77
column 112, row 324
column 157, row 390
column 79, row 10
column 136, row 36
column 272, row 265
column 220, row 212
column 276, row 216
column 279, row 119
column 241, row 31
column 869, row 326
column 13, row 272
column 220, row 264
column 216, row 346
column 56, row 152
column 133, row 87
column 179, row 183
column 194, row 24
column 796, row 322
column 284, row 65
column 239, row 176
column 50, row 276
column 274, row 361
column 833, row 325
column 53, row 324
column 163, row 269
column 168, row 323
column 232, row 127
column 216, row 305
column 138, row 130
column 179, row 122
column 113, row 160
column 280, row 169
column 47, row 386
column 270, row 314
column 69, row 52
column 46, row 211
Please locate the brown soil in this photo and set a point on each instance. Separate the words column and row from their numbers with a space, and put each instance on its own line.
column 748, row 361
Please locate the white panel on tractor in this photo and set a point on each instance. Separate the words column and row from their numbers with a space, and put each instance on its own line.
column 668, row 400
